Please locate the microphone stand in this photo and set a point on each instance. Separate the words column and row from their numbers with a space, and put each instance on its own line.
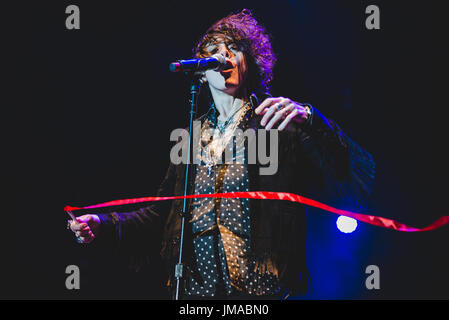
column 195, row 86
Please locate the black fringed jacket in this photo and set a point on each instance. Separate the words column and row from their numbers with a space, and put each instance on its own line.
column 315, row 160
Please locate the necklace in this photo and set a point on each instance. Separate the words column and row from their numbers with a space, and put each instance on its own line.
column 221, row 127
column 212, row 152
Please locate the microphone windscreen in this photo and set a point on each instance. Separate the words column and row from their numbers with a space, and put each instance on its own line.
column 175, row 67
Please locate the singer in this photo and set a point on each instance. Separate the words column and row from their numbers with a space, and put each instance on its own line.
column 241, row 248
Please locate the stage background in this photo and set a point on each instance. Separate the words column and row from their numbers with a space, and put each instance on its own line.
column 86, row 118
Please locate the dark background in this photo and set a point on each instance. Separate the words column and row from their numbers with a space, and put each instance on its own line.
column 86, row 117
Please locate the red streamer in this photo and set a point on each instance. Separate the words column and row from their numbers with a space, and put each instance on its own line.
column 374, row 220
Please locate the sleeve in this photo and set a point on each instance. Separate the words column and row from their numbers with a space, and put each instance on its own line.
column 137, row 234
column 346, row 171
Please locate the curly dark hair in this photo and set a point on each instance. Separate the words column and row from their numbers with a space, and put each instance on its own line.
column 252, row 39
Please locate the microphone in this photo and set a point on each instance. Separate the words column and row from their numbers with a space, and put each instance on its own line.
column 214, row 62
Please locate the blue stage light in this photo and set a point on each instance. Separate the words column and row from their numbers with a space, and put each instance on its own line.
column 346, row 224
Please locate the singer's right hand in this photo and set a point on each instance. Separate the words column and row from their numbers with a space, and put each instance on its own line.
column 86, row 228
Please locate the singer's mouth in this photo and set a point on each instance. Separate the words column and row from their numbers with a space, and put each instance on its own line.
column 228, row 67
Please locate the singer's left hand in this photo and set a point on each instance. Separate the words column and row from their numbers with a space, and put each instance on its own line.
column 280, row 108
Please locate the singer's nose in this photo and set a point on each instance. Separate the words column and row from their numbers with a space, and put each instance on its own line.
column 225, row 51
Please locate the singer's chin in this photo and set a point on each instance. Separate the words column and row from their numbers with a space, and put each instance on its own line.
column 231, row 84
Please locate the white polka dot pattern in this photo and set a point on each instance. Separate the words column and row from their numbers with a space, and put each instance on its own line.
column 221, row 229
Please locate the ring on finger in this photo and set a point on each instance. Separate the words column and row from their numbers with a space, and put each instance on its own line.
column 279, row 106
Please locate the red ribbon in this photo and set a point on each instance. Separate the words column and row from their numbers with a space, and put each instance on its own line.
column 374, row 220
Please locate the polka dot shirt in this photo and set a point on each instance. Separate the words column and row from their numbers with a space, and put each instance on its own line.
column 221, row 229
